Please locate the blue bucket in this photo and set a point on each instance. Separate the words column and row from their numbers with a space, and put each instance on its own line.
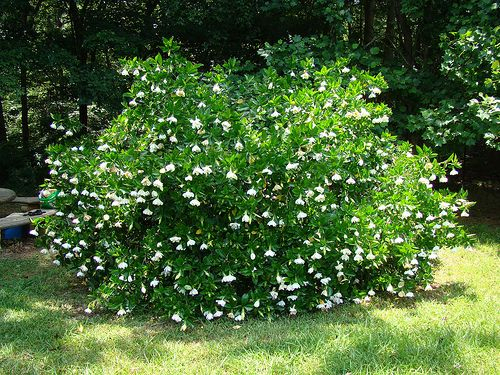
column 15, row 233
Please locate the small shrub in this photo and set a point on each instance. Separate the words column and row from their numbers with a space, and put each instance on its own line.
column 226, row 194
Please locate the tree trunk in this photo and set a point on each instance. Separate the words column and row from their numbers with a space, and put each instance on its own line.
column 3, row 127
column 83, row 111
column 24, row 108
column 368, row 35
column 405, row 35
column 389, row 32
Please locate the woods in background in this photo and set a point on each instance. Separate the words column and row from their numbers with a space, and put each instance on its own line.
column 440, row 59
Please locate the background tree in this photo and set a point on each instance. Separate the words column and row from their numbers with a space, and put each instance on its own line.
column 63, row 57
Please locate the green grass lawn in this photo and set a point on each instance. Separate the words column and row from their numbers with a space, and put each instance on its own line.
column 451, row 330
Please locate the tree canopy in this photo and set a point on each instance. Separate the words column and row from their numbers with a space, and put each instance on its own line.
column 440, row 59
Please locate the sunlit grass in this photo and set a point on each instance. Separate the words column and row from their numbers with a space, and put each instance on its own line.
column 453, row 329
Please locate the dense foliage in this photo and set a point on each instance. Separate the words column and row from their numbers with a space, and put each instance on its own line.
column 61, row 57
column 220, row 193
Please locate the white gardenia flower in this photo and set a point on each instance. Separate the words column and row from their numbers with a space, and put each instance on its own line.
column 238, row 146
column 423, row 180
column 351, row 181
column 231, row 175
column 197, row 171
column 453, row 172
column 267, row 171
column 170, row 168
column 406, row 214
column 34, row 232
column 193, row 292
column 196, row 123
column 172, row 120
column 175, row 239
column 398, row 240
column 305, row 75
column 122, row 265
column 176, row 318
column 299, row 260
column 158, row 202
column 320, row 198
column 147, row 212
column 325, row 280
column 154, row 283
column 228, row 279
column 301, row 215
column 299, row 201
column 207, row 170
column 380, row 120
column 269, row 253
column 195, row 202
column 173, row 139
column 275, row 114
column 188, row 194
column 158, row 184
column 180, row 92
column 158, row 255
column 121, row 312
column 235, row 226
column 191, row 243
column 271, row 223
column 216, row 88
column 336, row 177
column 245, row 218
column 221, row 302
column 291, row 166
column 316, row 256
column 252, row 192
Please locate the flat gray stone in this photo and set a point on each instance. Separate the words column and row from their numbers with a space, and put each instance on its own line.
column 18, row 218
column 6, row 195
column 26, row 200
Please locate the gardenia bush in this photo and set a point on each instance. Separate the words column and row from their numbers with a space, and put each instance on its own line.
column 224, row 194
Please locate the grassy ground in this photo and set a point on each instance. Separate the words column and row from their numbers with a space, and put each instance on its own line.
column 451, row 330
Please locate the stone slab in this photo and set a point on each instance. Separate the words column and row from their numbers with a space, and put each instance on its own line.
column 6, row 195
column 26, row 200
column 18, row 219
